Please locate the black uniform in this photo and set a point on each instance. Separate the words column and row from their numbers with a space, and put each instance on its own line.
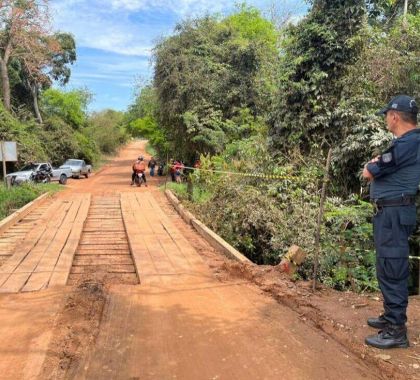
column 396, row 181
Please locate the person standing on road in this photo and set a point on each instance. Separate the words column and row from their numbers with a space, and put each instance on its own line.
column 395, row 178
column 152, row 165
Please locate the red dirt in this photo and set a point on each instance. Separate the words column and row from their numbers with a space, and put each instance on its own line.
column 215, row 320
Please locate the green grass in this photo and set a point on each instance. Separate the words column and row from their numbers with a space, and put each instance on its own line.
column 19, row 196
column 180, row 190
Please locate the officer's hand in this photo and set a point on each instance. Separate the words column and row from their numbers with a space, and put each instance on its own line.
column 376, row 159
column 367, row 174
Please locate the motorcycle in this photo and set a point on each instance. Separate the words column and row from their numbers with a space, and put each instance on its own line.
column 139, row 179
column 41, row 176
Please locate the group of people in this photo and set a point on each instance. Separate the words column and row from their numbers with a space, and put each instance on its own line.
column 140, row 167
column 176, row 171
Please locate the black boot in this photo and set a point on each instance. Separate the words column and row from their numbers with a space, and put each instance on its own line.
column 393, row 336
column 378, row 323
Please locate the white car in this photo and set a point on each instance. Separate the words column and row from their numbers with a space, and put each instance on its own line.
column 26, row 173
column 78, row 168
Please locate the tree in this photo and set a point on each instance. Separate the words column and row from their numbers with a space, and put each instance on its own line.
column 207, row 72
column 24, row 28
column 70, row 106
column 317, row 53
column 50, row 61
column 387, row 12
column 105, row 127
column 145, row 104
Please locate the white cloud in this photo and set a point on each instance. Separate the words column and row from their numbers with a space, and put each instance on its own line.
column 130, row 27
column 180, row 7
column 96, row 25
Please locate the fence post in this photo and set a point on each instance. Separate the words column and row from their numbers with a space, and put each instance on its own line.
column 321, row 217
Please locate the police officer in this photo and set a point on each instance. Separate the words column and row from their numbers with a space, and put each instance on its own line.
column 395, row 178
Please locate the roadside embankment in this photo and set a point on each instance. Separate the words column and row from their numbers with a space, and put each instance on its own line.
column 211, row 237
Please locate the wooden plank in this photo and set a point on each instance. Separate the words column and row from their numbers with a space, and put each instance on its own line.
column 36, row 282
column 103, row 260
column 23, row 270
column 142, row 259
column 139, row 216
column 177, row 258
column 14, row 283
column 20, row 253
column 29, row 263
column 105, row 252
column 103, row 268
column 21, row 213
column 49, row 260
column 160, row 259
column 62, row 269
column 3, row 278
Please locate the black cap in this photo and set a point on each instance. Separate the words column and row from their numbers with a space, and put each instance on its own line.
column 401, row 103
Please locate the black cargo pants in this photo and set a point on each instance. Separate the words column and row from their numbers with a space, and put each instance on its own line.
column 392, row 227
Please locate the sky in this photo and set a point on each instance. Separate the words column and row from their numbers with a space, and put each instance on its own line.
column 115, row 38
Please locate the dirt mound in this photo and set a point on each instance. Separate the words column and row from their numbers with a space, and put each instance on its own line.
column 76, row 329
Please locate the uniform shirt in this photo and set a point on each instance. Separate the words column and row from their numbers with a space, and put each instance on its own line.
column 397, row 172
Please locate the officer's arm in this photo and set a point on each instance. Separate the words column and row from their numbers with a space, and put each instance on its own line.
column 401, row 154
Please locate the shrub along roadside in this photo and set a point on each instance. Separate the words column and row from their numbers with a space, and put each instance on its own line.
column 19, row 196
column 263, row 220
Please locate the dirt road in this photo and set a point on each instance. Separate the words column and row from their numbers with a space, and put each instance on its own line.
column 108, row 283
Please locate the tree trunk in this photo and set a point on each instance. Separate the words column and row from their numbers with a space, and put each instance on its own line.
column 34, row 91
column 405, row 8
column 5, row 84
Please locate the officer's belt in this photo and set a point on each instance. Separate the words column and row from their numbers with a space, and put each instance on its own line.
column 406, row 200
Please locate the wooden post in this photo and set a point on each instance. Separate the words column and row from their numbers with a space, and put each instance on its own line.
column 321, row 216
column 167, row 169
column 3, row 156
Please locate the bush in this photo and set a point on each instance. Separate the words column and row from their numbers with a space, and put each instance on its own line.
column 19, row 196
column 348, row 253
column 262, row 218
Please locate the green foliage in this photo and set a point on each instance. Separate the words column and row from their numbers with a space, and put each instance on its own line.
column 348, row 256
column 385, row 13
column 141, row 120
column 58, row 140
column 105, row 128
column 70, row 106
column 317, row 54
column 148, row 128
column 200, row 195
column 263, row 218
column 87, row 148
column 145, row 104
column 27, row 136
column 207, row 73
column 19, row 196
column 60, row 61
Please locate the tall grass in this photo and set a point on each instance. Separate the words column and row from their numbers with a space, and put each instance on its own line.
column 19, row 196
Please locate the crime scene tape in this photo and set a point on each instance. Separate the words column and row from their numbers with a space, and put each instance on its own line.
column 414, row 257
column 252, row 175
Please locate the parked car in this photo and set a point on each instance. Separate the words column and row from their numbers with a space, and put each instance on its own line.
column 78, row 168
column 30, row 173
